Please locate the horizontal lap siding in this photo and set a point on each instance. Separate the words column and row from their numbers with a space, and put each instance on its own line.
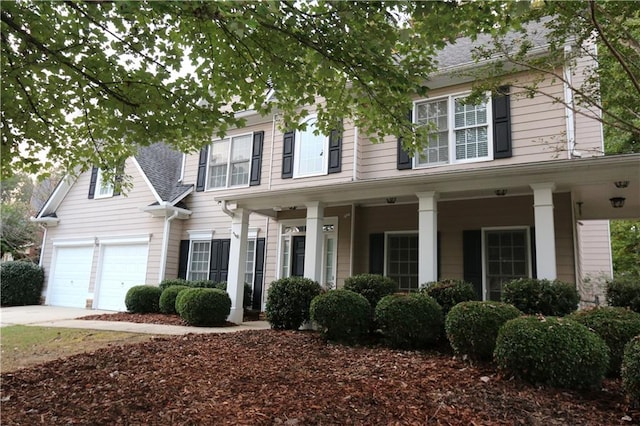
column 595, row 248
column 589, row 140
column 81, row 217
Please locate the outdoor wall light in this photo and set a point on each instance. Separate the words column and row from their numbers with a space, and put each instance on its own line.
column 391, row 200
column 617, row 202
column 621, row 183
column 500, row 192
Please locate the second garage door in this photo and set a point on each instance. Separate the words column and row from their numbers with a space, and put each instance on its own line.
column 122, row 267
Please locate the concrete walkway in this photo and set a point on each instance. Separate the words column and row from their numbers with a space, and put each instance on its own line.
column 56, row 316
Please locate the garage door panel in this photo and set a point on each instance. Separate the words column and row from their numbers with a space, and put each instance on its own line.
column 122, row 267
column 69, row 283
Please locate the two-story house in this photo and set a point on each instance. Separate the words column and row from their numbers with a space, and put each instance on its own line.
column 487, row 200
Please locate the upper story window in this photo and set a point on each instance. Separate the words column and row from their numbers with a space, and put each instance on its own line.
column 310, row 151
column 459, row 132
column 229, row 162
column 100, row 186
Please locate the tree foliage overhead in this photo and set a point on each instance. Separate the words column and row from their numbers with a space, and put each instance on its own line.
column 86, row 82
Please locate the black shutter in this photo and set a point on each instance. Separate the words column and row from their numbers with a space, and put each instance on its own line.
column 501, row 123
column 335, row 150
column 202, row 169
column 219, row 261
column 472, row 259
column 92, row 182
column 288, row 147
column 117, row 189
column 183, row 258
column 258, row 276
column 376, row 254
column 404, row 158
column 256, row 159
column 534, row 266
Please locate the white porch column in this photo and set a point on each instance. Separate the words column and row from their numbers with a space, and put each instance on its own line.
column 237, row 263
column 314, row 241
column 427, row 236
column 545, row 230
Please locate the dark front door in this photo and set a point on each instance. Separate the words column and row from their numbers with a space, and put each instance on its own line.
column 297, row 263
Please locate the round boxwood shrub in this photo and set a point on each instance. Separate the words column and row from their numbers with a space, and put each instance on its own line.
column 172, row 282
column 631, row 369
column 449, row 293
column 246, row 300
column 472, row 327
column 168, row 299
column 20, row 283
column 288, row 302
column 143, row 299
column 203, row 307
column 372, row 286
column 411, row 321
column 624, row 292
column 533, row 296
column 616, row 326
column 551, row 350
column 343, row 315
column 202, row 284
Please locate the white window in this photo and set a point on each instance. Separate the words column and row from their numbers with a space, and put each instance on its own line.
column 250, row 262
column 402, row 260
column 507, row 257
column 199, row 256
column 230, row 162
column 458, row 132
column 104, row 187
column 311, row 151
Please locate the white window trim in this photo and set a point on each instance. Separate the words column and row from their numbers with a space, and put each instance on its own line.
column 227, row 186
column 386, row 250
column 100, row 184
column 451, row 130
column 296, row 154
column 484, row 231
column 191, row 242
column 199, row 235
column 253, row 272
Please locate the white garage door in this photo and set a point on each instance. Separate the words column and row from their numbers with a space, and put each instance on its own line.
column 69, row 282
column 123, row 266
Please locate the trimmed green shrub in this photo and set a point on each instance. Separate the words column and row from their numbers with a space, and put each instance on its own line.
column 143, row 299
column 168, row 298
column 449, row 293
column 472, row 327
column 20, row 283
column 551, row 350
column 631, row 369
column 624, row 292
column 288, row 302
column 203, row 307
column 246, row 300
column 373, row 287
column 202, row 284
column 172, row 282
column 533, row 296
column 411, row 321
column 616, row 326
column 344, row 315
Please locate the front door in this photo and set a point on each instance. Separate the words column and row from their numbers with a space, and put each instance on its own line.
column 297, row 261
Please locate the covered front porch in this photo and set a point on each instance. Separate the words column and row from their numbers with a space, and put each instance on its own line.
column 483, row 225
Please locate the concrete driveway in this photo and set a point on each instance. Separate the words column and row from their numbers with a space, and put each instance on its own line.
column 56, row 316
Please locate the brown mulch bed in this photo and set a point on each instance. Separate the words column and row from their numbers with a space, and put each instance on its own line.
column 292, row 378
column 139, row 318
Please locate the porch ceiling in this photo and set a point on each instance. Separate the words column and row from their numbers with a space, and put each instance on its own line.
column 590, row 180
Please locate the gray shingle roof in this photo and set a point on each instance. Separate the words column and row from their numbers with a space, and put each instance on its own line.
column 162, row 166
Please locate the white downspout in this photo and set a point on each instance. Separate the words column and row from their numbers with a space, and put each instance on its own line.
column 355, row 153
column 225, row 209
column 44, row 242
column 569, row 106
column 165, row 245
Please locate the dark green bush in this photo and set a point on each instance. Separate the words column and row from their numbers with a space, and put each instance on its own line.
column 246, row 301
column 203, row 307
column 624, row 292
column 472, row 327
column 343, row 315
column 550, row 350
column 411, row 321
column 173, row 281
column 202, row 284
column 449, row 293
column 631, row 369
column 143, row 299
column 532, row 296
column 168, row 298
column 616, row 326
column 20, row 283
column 373, row 287
column 288, row 302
